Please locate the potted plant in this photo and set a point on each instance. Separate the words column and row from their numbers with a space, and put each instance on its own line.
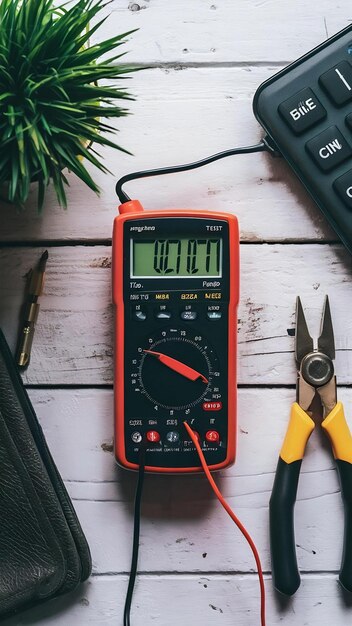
column 51, row 94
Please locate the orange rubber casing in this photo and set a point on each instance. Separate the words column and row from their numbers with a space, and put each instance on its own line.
column 134, row 210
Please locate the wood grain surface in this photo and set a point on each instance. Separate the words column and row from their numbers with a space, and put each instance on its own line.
column 269, row 201
column 203, row 61
column 74, row 334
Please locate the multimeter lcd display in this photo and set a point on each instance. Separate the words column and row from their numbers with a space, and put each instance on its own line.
column 176, row 258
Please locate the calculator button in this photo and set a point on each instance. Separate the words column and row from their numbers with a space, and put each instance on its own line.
column 338, row 82
column 329, row 148
column 343, row 186
column 189, row 315
column 302, row 110
column 349, row 120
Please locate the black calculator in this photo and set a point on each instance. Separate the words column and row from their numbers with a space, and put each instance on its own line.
column 306, row 111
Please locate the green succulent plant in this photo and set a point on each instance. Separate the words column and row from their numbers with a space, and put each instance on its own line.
column 51, row 97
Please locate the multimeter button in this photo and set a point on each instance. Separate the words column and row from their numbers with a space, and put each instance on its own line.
column 189, row 315
column 343, row 186
column 212, row 436
column 214, row 315
column 153, row 436
column 329, row 148
column 338, row 82
column 302, row 110
column 136, row 437
column 163, row 315
column 173, row 436
column 139, row 315
column 212, row 406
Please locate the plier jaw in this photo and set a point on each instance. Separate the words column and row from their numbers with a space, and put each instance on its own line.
column 315, row 378
column 315, row 362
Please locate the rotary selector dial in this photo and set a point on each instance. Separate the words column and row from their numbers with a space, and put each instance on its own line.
column 176, row 369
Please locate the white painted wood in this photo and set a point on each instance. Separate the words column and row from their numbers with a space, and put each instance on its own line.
column 180, row 515
column 207, row 110
column 73, row 340
column 196, row 567
column 182, row 522
column 78, row 424
column 193, row 600
column 207, row 31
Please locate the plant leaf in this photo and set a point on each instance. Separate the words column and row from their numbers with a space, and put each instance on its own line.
column 57, row 93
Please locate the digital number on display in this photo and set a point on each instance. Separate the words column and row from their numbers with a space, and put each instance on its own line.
column 183, row 258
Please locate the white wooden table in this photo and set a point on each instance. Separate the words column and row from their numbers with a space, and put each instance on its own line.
column 205, row 59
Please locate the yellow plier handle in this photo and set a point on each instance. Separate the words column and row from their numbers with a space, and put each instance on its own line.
column 286, row 575
column 338, row 431
column 285, row 571
column 299, row 429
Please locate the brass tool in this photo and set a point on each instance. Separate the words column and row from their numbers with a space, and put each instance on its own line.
column 31, row 311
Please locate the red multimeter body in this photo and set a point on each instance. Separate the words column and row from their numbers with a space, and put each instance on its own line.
column 175, row 291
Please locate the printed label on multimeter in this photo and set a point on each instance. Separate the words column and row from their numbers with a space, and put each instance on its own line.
column 176, row 291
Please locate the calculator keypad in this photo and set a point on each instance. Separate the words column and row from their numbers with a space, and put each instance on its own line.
column 306, row 110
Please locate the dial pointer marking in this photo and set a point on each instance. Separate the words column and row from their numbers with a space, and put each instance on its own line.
column 178, row 366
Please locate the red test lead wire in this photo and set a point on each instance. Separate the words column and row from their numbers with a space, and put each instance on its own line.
column 233, row 517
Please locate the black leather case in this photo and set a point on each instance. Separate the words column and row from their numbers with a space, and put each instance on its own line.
column 43, row 551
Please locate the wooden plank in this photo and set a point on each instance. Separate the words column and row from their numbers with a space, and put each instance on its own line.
column 180, row 515
column 218, row 32
column 73, row 341
column 207, row 110
column 78, row 424
column 199, row 600
column 184, row 528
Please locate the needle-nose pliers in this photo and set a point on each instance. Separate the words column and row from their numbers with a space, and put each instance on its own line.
column 316, row 383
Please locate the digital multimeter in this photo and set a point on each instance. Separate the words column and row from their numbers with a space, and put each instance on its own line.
column 175, row 291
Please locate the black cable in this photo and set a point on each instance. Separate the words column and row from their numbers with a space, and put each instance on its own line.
column 264, row 146
column 136, row 531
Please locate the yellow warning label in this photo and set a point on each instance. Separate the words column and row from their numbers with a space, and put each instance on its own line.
column 162, row 296
column 189, row 296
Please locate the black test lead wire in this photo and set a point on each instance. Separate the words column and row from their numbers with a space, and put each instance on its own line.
column 137, row 519
column 264, row 146
column 136, row 533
